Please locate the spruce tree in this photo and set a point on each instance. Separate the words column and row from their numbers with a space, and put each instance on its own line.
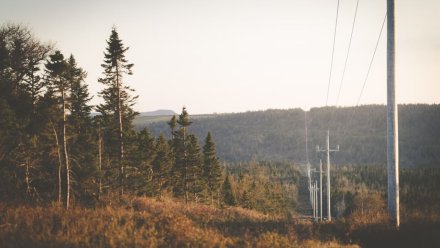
column 142, row 176
column 117, row 107
column 82, row 145
column 56, row 68
column 162, row 164
column 193, row 172
column 180, row 150
column 227, row 193
column 80, row 109
column 211, row 167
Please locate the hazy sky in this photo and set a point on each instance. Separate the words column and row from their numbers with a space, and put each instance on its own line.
column 238, row 55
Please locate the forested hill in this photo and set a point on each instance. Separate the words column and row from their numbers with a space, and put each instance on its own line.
column 360, row 132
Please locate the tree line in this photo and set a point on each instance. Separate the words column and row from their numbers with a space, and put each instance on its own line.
column 53, row 149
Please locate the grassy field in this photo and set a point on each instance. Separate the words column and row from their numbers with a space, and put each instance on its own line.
column 147, row 222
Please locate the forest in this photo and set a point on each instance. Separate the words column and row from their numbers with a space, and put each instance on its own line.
column 360, row 132
column 77, row 175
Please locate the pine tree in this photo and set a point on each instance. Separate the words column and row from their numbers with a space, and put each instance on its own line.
column 82, row 145
column 56, row 68
column 80, row 110
column 227, row 193
column 193, row 172
column 162, row 165
column 211, row 167
column 117, row 107
column 180, row 150
column 142, row 178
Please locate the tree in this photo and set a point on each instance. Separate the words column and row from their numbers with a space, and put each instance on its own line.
column 180, row 150
column 172, row 124
column 21, row 55
column 162, row 165
column 82, row 144
column 117, row 107
column 142, row 176
column 211, row 167
column 193, row 172
column 56, row 68
column 227, row 193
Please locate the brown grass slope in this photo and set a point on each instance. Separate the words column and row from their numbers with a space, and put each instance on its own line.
column 146, row 222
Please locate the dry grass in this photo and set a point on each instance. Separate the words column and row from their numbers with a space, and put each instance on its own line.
column 146, row 222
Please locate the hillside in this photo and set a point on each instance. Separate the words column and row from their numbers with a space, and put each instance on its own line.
column 280, row 134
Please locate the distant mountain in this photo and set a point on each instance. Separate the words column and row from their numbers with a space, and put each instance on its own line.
column 160, row 112
column 279, row 135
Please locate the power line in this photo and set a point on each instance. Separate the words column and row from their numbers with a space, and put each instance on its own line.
column 348, row 52
column 372, row 59
column 333, row 52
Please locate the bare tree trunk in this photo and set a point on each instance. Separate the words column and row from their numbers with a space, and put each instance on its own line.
column 59, row 162
column 27, row 177
column 121, row 141
column 100, row 162
column 66, row 157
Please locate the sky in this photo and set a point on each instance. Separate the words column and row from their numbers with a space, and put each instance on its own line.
column 222, row 56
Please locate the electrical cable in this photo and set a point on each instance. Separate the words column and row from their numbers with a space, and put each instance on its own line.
column 372, row 59
column 333, row 52
column 348, row 52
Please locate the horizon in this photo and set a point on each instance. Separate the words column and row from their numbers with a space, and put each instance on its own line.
column 285, row 109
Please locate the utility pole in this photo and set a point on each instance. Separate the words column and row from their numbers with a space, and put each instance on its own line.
column 312, row 191
column 327, row 150
column 316, row 200
column 320, row 188
column 307, row 158
column 392, row 122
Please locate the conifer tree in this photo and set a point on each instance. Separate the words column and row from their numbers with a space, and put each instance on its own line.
column 227, row 192
column 117, row 107
column 21, row 86
column 145, row 154
column 82, row 144
column 56, row 68
column 162, row 164
column 193, row 173
column 80, row 110
column 211, row 167
column 180, row 150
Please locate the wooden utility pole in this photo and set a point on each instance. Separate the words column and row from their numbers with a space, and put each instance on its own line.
column 392, row 122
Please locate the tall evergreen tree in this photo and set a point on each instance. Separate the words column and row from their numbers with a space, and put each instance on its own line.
column 56, row 68
column 162, row 164
column 180, row 149
column 117, row 107
column 82, row 145
column 212, row 172
column 142, row 176
column 193, row 173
